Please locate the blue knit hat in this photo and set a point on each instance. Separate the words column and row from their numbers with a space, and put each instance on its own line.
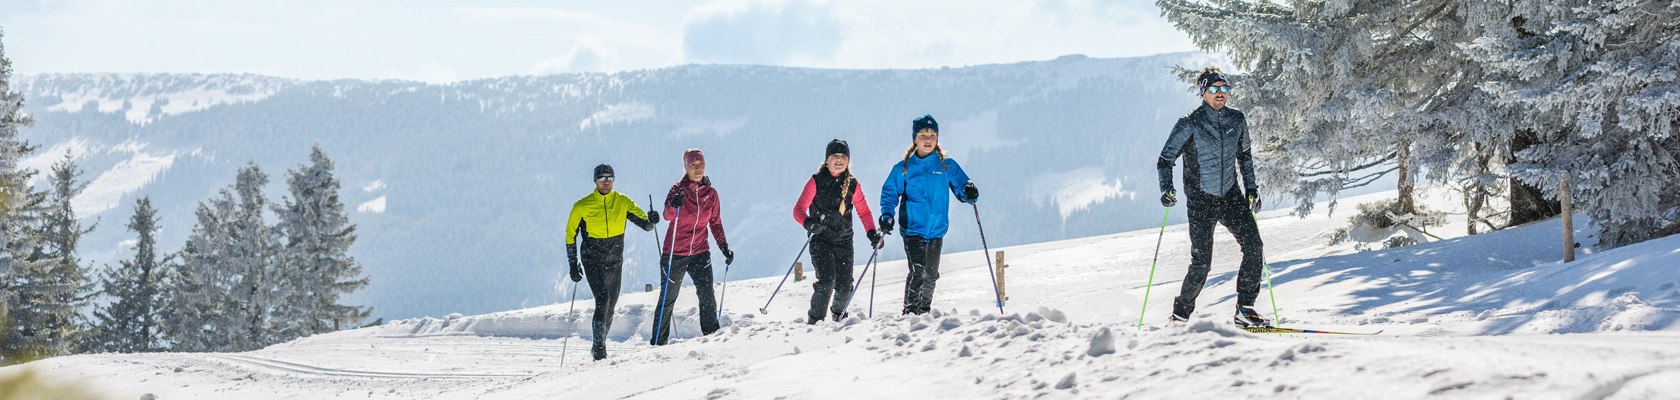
column 925, row 122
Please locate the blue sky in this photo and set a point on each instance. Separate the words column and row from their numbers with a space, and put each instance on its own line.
column 442, row 41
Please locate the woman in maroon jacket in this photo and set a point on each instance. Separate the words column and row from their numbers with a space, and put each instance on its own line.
column 825, row 209
column 692, row 208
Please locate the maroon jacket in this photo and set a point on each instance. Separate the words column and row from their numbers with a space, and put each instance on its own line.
column 699, row 213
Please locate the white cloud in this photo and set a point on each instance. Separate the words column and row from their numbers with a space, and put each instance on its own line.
column 586, row 55
column 450, row 41
column 776, row 32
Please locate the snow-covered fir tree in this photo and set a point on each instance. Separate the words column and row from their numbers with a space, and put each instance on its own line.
column 129, row 321
column 225, row 288
column 1598, row 84
column 198, row 299
column 1338, row 100
column 67, row 284
column 50, row 290
column 20, row 227
column 318, row 236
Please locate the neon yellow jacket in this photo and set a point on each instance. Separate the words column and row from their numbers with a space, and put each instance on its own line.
column 602, row 215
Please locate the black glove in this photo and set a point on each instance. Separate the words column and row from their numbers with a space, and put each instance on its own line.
column 813, row 226
column 874, row 238
column 886, row 224
column 971, row 193
column 1254, row 203
column 1169, row 198
column 675, row 200
column 571, row 259
column 653, row 216
column 728, row 256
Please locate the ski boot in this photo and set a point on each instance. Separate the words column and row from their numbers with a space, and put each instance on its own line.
column 1177, row 321
column 1248, row 318
column 599, row 350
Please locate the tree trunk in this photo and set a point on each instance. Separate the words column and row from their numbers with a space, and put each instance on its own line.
column 1407, row 204
column 1528, row 203
column 1476, row 192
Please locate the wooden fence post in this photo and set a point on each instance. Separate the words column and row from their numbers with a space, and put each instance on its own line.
column 798, row 271
column 1568, row 218
column 1000, row 266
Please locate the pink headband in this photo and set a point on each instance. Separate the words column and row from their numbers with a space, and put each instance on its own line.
column 692, row 155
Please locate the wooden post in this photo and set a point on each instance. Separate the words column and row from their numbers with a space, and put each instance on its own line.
column 1000, row 266
column 798, row 271
column 648, row 288
column 1568, row 218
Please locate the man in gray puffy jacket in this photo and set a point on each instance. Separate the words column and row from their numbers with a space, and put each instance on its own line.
column 1214, row 142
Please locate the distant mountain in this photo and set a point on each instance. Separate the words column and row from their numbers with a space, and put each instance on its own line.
column 462, row 189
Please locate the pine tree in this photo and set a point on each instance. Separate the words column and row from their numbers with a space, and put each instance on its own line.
column 198, row 299
column 318, row 236
column 225, row 289
column 1597, row 81
column 1336, row 96
column 68, row 288
column 129, row 323
column 20, row 229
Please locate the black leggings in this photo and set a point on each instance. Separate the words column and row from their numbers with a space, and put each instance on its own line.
column 604, row 278
column 833, row 262
column 698, row 266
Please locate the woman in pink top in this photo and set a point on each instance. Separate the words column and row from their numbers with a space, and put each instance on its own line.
column 825, row 209
column 692, row 208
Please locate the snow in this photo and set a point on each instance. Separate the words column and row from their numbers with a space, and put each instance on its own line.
column 1076, row 190
column 129, row 176
column 1487, row 316
column 105, row 191
column 617, row 113
column 375, row 206
column 180, row 94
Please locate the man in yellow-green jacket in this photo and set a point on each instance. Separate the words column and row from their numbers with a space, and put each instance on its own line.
column 600, row 218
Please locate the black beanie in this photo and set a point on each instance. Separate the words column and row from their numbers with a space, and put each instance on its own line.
column 838, row 146
column 602, row 169
column 925, row 122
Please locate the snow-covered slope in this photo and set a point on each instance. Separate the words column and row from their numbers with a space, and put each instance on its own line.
column 1487, row 316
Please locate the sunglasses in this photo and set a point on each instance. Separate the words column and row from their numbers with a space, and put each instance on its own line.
column 604, row 178
column 1218, row 89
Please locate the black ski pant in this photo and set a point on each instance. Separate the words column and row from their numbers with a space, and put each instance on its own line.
column 698, row 266
column 923, row 257
column 604, row 278
column 833, row 262
column 1231, row 210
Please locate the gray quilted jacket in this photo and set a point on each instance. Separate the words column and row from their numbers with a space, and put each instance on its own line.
column 1215, row 145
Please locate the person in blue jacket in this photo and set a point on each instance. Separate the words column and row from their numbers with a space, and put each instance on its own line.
column 915, row 192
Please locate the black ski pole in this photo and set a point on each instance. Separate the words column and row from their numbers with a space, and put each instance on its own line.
column 859, row 283
column 571, row 315
column 872, row 274
column 990, row 271
column 766, row 308
column 723, row 291
column 664, row 280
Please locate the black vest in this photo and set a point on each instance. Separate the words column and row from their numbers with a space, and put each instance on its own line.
column 833, row 204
